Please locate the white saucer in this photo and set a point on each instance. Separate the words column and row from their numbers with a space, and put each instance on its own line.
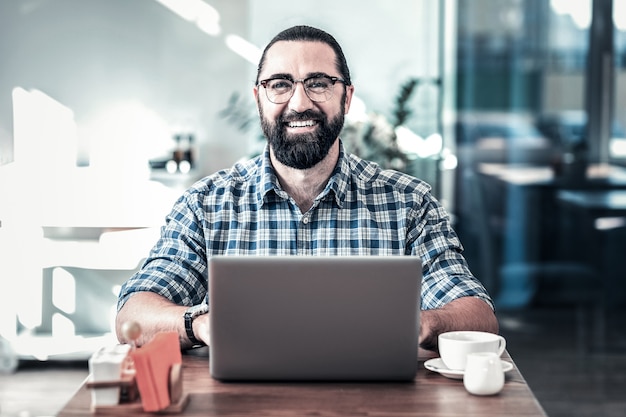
column 437, row 365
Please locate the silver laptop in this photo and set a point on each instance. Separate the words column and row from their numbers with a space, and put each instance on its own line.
column 307, row 318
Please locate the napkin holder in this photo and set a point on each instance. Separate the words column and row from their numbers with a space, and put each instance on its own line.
column 124, row 380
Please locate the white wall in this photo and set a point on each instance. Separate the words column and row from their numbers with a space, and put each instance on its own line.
column 132, row 71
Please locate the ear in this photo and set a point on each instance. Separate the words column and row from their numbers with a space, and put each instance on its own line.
column 255, row 92
column 349, row 93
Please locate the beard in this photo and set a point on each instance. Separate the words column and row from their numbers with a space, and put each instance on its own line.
column 301, row 151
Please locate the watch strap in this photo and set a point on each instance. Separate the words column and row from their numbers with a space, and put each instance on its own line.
column 190, row 315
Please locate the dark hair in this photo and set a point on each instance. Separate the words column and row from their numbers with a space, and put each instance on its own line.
column 308, row 33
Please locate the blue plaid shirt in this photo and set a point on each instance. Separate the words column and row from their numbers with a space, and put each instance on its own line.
column 362, row 211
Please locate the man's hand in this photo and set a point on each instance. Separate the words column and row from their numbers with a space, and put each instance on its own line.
column 155, row 314
column 467, row 313
column 201, row 328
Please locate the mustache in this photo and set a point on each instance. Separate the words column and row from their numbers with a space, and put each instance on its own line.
column 294, row 116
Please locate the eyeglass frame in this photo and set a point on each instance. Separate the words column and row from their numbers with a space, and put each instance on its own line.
column 332, row 79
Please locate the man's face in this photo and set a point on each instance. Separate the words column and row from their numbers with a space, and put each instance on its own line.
column 301, row 131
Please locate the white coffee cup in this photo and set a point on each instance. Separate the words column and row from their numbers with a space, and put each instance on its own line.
column 483, row 373
column 455, row 346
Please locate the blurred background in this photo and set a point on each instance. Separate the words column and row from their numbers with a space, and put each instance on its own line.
column 513, row 110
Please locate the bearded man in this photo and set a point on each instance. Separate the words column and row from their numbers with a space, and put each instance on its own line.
column 305, row 195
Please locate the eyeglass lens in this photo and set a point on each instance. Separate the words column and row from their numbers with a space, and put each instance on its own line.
column 318, row 89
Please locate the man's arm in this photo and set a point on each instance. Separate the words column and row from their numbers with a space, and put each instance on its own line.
column 155, row 314
column 465, row 313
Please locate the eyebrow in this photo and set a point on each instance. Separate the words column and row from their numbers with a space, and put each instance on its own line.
column 290, row 77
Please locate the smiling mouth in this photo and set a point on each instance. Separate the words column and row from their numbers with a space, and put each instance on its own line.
column 302, row 123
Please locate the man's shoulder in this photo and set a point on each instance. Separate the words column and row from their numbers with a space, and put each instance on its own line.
column 242, row 172
column 371, row 175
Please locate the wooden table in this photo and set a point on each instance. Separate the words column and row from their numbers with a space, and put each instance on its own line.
column 430, row 395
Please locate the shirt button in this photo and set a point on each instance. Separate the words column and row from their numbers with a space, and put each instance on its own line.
column 305, row 220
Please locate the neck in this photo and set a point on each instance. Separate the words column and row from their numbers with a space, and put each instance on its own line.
column 304, row 185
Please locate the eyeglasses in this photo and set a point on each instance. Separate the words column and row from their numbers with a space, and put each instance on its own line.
column 318, row 88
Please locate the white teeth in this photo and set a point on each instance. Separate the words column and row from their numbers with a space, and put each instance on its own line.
column 302, row 123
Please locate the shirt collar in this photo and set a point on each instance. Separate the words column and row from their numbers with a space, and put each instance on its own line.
column 337, row 184
column 268, row 182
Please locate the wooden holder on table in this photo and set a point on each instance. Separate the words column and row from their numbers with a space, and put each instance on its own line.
column 155, row 386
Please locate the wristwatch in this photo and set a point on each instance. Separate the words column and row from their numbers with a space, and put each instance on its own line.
column 190, row 315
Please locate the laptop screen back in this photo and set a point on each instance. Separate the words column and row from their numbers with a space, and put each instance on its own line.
column 314, row 318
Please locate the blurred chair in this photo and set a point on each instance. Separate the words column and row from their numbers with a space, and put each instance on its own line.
column 79, row 285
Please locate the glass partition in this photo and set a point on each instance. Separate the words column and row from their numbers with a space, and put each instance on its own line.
column 617, row 149
column 539, row 113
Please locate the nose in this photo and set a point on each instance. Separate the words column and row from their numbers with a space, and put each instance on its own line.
column 299, row 101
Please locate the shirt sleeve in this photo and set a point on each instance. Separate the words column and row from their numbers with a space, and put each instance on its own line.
column 176, row 267
column 446, row 275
